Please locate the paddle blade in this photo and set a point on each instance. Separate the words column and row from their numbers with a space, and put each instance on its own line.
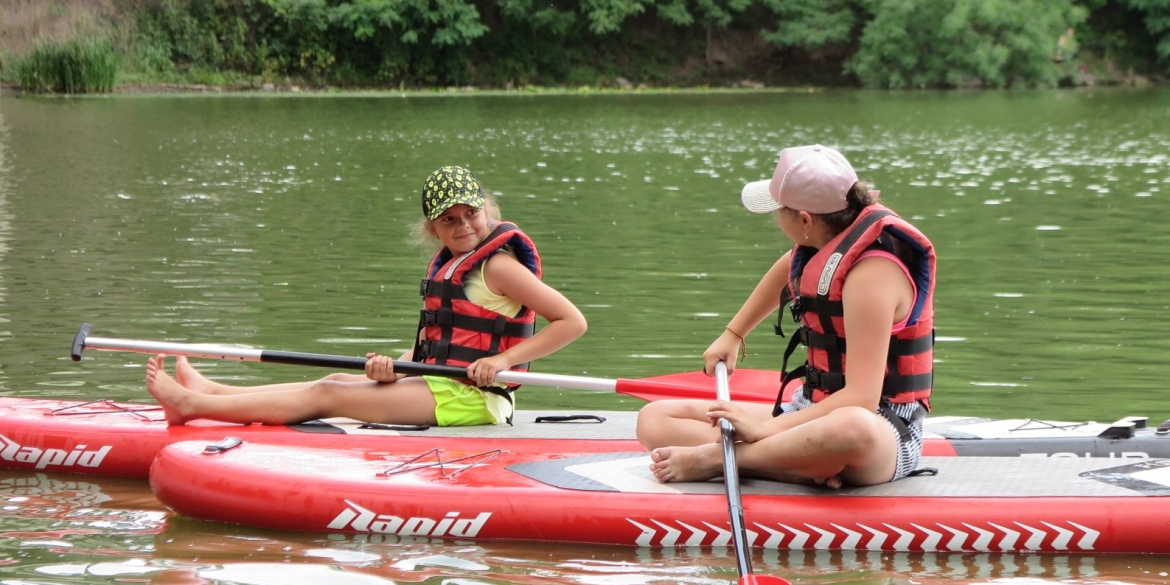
column 754, row 579
column 746, row 386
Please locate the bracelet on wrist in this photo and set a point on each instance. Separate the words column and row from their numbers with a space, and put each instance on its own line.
column 742, row 343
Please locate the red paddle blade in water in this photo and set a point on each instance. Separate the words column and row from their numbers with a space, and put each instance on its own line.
column 754, row 579
column 746, row 386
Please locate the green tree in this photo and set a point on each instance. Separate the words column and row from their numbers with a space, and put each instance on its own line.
column 953, row 43
column 528, row 40
column 711, row 14
column 1157, row 19
column 186, row 26
column 812, row 24
column 415, row 40
column 883, row 43
column 297, row 36
column 608, row 16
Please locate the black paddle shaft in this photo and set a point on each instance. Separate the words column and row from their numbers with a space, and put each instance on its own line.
column 293, row 358
column 82, row 341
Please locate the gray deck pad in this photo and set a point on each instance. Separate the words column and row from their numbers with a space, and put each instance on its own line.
column 969, row 437
column 958, row 477
column 615, row 425
column 620, row 425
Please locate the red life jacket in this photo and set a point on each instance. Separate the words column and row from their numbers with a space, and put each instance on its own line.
column 816, row 279
column 455, row 331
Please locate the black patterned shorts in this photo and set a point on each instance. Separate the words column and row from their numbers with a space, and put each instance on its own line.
column 909, row 450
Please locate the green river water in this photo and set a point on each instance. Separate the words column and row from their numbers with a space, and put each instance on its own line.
column 282, row 222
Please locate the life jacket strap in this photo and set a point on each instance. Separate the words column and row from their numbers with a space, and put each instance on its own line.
column 444, row 351
column 785, row 298
column 778, row 408
column 894, row 385
column 498, row 326
column 441, row 289
column 821, row 380
column 506, row 393
column 909, row 347
column 901, row 425
column 831, row 343
column 436, row 349
column 797, row 339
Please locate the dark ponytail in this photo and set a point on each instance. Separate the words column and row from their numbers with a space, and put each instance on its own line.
column 858, row 198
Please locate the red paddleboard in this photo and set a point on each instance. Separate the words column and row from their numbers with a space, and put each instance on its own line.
column 121, row 440
column 972, row 504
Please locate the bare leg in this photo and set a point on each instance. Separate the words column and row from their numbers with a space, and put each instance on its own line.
column 170, row 395
column 704, row 462
column 675, row 422
column 669, row 423
column 693, row 463
column 190, row 378
column 408, row 401
column 849, row 445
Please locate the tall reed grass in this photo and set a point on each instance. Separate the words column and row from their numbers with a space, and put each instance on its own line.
column 78, row 65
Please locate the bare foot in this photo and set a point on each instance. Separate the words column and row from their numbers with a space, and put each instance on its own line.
column 832, row 482
column 190, row 378
column 173, row 398
column 698, row 463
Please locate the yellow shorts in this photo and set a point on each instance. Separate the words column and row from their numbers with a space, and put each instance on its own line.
column 459, row 405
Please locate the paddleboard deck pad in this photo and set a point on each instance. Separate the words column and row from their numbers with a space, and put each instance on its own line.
column 121, row 439
column 972, row 504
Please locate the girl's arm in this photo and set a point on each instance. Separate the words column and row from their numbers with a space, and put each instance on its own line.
column 765, row 299
column 877, row 294
column 507, row 276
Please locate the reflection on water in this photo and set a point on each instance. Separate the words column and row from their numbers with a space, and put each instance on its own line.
column 94, row 530
column 282, row 223
column 5, row 236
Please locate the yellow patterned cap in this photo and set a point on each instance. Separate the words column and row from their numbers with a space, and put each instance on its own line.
column 450, row 186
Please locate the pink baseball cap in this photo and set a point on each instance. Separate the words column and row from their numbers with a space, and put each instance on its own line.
column 812, row 178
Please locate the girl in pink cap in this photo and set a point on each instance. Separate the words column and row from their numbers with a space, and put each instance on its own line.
column 481, row 296
column 857, row 271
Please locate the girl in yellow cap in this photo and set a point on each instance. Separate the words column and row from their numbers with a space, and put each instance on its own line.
column 481, row 296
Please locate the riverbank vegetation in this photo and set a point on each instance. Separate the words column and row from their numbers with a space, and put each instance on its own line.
column 78, row 45
column 76, row 65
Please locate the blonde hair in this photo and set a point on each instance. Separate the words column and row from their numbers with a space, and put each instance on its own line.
column 423, row 235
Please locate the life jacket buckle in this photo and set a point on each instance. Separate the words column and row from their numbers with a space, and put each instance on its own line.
column 437, row 317
column 429, row 319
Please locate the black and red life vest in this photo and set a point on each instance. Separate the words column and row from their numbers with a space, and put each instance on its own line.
column 455, row 331
column 815, row 281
